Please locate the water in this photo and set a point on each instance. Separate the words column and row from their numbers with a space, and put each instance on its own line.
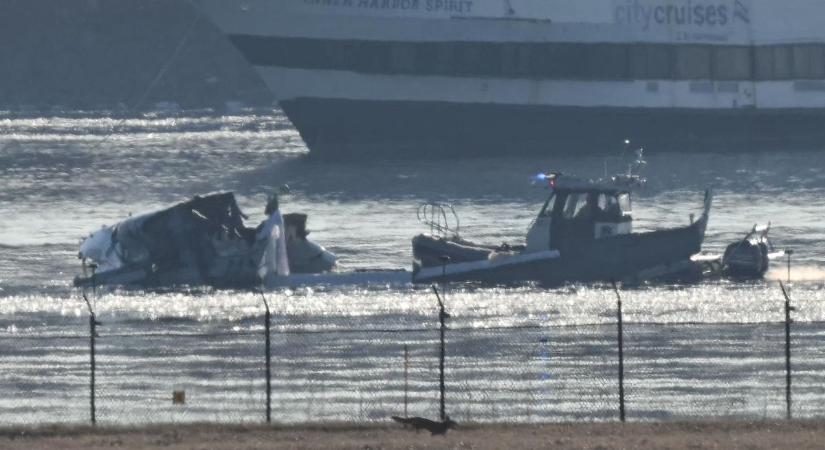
column 523, row 354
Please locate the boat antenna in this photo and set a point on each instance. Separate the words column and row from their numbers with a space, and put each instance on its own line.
column 625, row 147
column 639, row 163
column 621, row 156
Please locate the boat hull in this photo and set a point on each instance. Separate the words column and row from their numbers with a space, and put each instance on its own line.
column 620, row 258
column 336, row 127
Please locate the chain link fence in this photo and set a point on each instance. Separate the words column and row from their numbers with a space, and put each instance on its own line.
column 182, row 370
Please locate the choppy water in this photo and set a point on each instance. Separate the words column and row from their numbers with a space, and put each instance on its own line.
column 523, row 354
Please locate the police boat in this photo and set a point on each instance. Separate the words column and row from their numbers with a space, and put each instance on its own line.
column 583, row 233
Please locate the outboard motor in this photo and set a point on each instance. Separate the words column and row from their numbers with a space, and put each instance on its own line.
column 748, row 258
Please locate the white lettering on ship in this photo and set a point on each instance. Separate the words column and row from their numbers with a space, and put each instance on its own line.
column 695, row 19
column 430, row 6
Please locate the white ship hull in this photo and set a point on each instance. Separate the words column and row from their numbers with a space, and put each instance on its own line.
column 478, row 75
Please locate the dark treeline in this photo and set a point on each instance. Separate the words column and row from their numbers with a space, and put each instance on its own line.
column 89, row 54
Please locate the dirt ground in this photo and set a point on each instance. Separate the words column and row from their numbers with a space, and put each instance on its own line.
column 715, row 435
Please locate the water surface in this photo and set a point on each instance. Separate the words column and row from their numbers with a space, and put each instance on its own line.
column 522, row 354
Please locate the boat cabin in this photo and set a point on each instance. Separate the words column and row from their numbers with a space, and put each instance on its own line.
column 578, row 209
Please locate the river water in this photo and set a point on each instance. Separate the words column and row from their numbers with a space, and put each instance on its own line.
column 521, row 354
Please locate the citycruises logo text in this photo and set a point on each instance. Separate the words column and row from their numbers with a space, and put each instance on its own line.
column 690, row 13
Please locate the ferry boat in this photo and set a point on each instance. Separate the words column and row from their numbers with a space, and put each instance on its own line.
column 556, row 76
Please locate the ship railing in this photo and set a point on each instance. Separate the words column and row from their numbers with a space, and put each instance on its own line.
column 441, row 218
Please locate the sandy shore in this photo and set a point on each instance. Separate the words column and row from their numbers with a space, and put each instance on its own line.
column 715, row 435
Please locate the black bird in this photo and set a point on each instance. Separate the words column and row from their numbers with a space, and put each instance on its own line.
column 430, row 425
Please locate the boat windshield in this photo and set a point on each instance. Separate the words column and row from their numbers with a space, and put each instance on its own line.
column 576, row 206
column 612, row 207
column 624, row 204
column 547, row 209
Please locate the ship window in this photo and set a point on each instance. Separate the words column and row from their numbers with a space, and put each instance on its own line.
column 624, row 204
column 445, row 57
column 638, row 61
column 340, row 55
column 525, row 58
column 608, row 208
column 468, row 58
column 658, row 62
column 782, row 62
column 602, row 202
column 576, row 206
column 575, row 60
column 546, row 62
column 763, row 63
column 649, row 61
column 515, row 59
column 692, row 62
column 403, row 57
column 732, row 63
column 509, row 59
column 427, row 58
column 606, row 61
column 542, row 60
column 808, row 61
column 367, row 57
column 818, row 62
column 560, row 60
column 490, row 56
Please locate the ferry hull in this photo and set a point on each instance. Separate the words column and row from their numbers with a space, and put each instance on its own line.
column 340, row 128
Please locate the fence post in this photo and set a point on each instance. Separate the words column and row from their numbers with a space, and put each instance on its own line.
column 621, row 352
column 788, row 322
column 267, row 322
column 93, row 323
column 92, row 332
column 789, row 252
column 406, row 378
column 442, row 315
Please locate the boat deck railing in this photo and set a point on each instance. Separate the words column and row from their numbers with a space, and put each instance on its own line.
column 441, row 218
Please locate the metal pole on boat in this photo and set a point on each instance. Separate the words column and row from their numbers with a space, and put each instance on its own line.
column 442, row 316
column 621, row 352
column 267, row 321
column 788, row 321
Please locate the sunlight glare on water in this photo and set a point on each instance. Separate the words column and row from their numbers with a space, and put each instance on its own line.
column 64, row 177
